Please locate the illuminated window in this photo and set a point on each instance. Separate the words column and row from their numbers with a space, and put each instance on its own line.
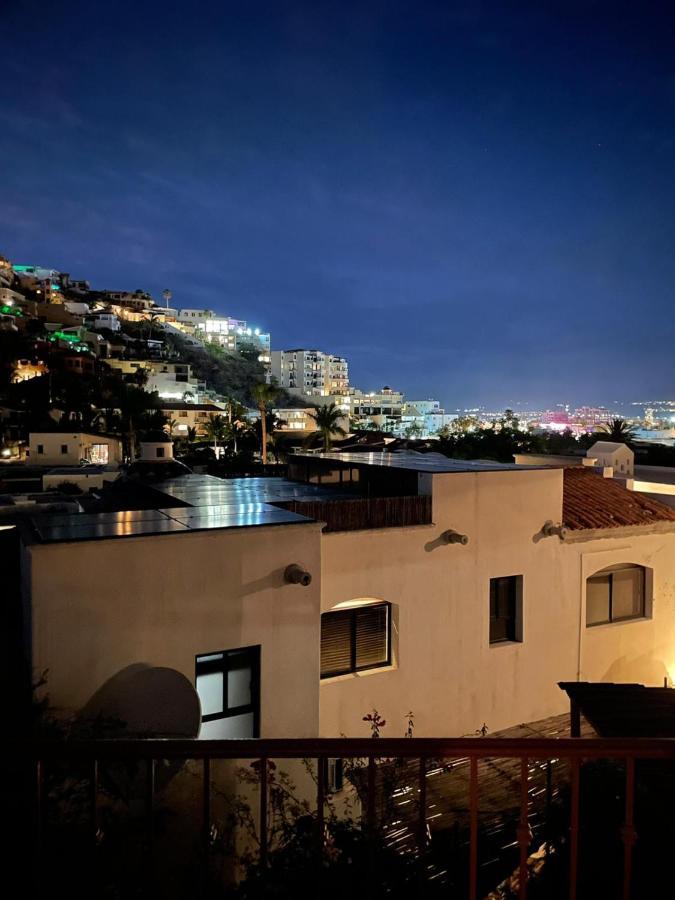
column 228, row 684
column 615, row 595
column 355, row 639
column 99, row 454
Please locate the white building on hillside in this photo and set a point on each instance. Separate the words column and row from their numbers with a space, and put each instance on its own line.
column 229, row 333
column 607, row 453
column 171, row 380
column 59, row 448
column 311, row 373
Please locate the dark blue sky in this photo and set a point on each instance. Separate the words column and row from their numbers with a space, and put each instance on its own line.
column 473, row 201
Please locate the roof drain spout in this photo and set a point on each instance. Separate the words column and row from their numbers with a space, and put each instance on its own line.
column 454, row 537
column 549, row 529
column 295, row 574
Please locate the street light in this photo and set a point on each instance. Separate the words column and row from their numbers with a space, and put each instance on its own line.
column 167, row 296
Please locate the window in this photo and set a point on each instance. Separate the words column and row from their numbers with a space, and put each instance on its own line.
column 228, row 684
column 64, row 449
column 615, row 594
column 355, row 639
column 99, row 454
column 506, row 609
column 333, row 775
column 41, row 448
column 160, row 452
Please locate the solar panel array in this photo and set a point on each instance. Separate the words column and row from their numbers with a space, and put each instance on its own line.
column 214, row 503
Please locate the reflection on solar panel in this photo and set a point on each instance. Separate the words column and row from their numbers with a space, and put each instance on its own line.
column 214, row 503
column 417, row 462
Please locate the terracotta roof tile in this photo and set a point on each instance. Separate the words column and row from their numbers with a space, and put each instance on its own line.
column 590, row 501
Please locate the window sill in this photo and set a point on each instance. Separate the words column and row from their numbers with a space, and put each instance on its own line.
column 616, row 622
column 505, row 644
column 364, row 673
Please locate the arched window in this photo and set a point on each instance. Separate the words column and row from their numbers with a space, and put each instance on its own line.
column 354, row 637
column 615, row 594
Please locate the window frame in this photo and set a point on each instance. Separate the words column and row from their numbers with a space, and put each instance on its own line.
column 517, row 631
column 205, row 666
column 609, row 573
column 353, row 615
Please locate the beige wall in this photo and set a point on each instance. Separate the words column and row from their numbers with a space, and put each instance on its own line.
column 445, row 669
column 78, row 444
column 182, row 595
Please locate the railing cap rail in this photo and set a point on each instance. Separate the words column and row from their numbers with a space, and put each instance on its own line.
column 299, row 748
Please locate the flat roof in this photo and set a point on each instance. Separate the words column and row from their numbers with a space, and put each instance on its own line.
column 435, row 463
column 208, row 503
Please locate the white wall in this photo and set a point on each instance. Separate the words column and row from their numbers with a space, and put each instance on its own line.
column 77, row 443
column 181, row 595
column 445, row 669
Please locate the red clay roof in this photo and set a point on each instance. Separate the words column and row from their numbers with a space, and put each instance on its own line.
column 590, row 501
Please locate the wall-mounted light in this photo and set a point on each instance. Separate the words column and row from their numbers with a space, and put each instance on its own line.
column 454, row 537
column 295, row 574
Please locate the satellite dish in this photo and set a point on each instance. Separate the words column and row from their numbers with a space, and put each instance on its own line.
column 142, row 701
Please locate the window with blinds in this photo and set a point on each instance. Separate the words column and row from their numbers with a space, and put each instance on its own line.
column 615, row 594
column 355, row 639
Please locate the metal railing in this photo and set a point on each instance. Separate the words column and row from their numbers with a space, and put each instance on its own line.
column 90, row 756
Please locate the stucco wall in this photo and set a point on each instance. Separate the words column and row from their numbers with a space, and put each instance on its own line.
column 445, row 669
column 100, row 606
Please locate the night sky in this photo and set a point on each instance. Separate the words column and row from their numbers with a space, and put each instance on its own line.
column 471, row 201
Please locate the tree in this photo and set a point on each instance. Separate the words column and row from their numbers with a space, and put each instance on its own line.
column 191, row 434
column 619, row 431
column 264, row 395
column 414, row 430
column 327, row 419
column 216, row 429
column 171, row 424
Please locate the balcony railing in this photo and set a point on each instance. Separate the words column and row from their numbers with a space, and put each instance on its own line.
column 394, row 783
column 365, row 513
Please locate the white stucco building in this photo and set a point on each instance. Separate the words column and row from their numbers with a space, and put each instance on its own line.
column 60, row 448
column 461, row 591
column 619, row 456
column 311, row 373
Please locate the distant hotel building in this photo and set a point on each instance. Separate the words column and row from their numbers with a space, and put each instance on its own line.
column 229, row 333
column 311, row 372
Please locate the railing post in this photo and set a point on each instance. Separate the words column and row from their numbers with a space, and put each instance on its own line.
column 473, row 828
column 93, row 802
column 574, row 825
column 263, row 811
column 422, row 812
column 39, row 812
column 206, row 821
column 150, row 821
column 523, row 829
column 371, row 794
column 320, row 800
column 628, row 833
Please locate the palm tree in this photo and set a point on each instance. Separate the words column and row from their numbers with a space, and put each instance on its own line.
column 619, row 430
column 215, row 430
column 264, row 395
column 327, row 420
column 171, row 424
column 191, row 436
